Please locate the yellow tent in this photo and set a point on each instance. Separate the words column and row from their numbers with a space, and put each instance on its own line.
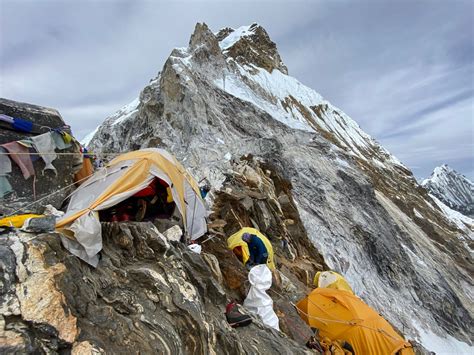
column 235, row 240
column 331, row 279
column 124, row 176
column 340, row 315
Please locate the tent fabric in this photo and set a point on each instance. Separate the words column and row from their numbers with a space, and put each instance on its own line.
column 340, row 315
column 235, row 240
column 331, row 279
column 120, row 179
column 86, row 171
column 257, row 300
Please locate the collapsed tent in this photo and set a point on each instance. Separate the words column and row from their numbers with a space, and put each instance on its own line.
column 331, row 279
column 235, row 242
column 340, row 315
column 122, row 178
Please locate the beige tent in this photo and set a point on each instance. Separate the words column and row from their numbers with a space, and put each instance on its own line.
column 120, row 179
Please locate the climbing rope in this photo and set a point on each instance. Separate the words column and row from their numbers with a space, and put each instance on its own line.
column 48, row 196
column 61, row 153
column 325, row 320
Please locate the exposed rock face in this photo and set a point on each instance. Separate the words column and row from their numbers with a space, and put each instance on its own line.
column 146, row 296
column 362, row 209
column 46, row 185
column 453, row 189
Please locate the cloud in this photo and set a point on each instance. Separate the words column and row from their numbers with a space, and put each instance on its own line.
column 403, row 70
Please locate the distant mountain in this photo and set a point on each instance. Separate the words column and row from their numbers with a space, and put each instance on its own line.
column 452, row 188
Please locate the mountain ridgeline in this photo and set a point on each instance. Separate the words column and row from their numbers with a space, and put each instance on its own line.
column 228, row 95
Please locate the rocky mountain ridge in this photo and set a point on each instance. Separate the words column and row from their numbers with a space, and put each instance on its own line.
column 453, row 189
column 228, row 95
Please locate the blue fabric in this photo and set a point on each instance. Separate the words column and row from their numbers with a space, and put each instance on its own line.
column 85, row 151
column 258, row 251
column 22, row 125
column 203, row 193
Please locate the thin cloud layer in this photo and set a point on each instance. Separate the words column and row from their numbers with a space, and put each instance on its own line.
column 403, row 70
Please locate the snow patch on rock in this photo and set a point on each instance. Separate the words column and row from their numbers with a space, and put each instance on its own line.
column 87, row 139
column 235, row 36
column 125, row 112
column 461, row 221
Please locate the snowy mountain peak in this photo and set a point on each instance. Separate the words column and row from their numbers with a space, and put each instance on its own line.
column 251, row 45
column 453, row 189
column 441, row 170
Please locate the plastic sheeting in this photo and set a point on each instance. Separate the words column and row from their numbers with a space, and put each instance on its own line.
column 195, row 248
column 257, row 301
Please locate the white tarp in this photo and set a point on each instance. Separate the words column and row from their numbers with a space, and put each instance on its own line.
column 87, row 229
column 257, row 301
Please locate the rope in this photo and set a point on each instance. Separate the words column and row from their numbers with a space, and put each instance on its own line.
column 293, row 327
column 210, row 238
column 351, row 323
column 44, row 198
column 324, row 320
column 60, row 153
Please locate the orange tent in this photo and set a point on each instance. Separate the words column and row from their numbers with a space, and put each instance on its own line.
column 340, row 315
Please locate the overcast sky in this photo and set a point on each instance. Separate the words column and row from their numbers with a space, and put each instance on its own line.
column 404, row 70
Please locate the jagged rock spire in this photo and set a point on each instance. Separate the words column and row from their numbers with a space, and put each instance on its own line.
column 251, row 45
column 203, row 35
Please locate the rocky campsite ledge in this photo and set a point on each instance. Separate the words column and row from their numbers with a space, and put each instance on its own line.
column 154, row 295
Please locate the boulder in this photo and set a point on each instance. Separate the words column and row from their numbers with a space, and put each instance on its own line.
column 48, row 186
